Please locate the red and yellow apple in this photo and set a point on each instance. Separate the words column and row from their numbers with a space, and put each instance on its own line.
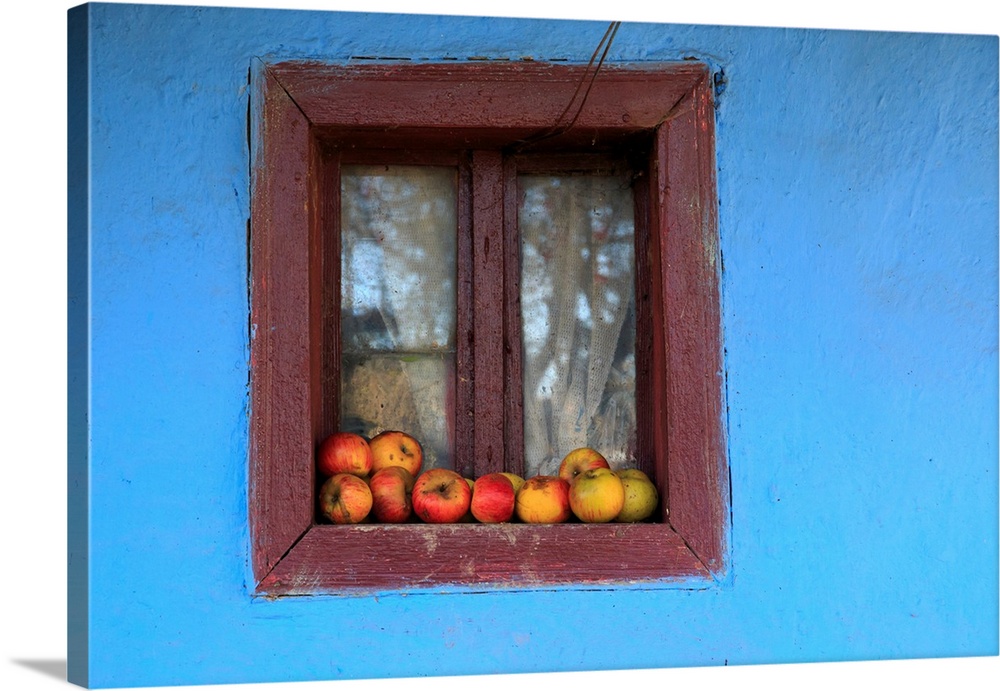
column 641, row 496
column 493, row 498
column 579, row 461
column 395, row 448
column 467, row 517
column 441, row 496
column 345, row 498
column 392, row 489
column 597, row 495
column 543, row 499
column 344, row 452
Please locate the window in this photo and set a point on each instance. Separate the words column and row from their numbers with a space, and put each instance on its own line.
column 474, row 310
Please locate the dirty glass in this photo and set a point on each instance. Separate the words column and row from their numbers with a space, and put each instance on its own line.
column 398, row 303
column 578, row 317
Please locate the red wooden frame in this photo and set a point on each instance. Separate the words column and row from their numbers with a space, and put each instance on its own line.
column 310, row 115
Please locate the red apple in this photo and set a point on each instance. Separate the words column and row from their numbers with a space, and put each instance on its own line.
column 345, row 498
column 597, row 496
column 392, row 489
column 441, row 496
column 493, row 499
column 393, row 447
column 344, row 452
column 543, row 499
column 580, row 460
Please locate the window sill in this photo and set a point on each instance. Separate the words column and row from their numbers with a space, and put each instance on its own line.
column 378, row 558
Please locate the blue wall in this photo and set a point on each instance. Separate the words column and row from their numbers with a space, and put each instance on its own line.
column 858, row 187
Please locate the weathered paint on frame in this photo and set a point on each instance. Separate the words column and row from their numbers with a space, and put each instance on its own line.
column 301, row 141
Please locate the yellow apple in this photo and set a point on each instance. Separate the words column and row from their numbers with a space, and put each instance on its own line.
column 580, row 460
column 468, row 517
column 597, row 495
column 393, row 447
column 543, row 499
column 515, row 479
column 641, row 496
column 632, row 472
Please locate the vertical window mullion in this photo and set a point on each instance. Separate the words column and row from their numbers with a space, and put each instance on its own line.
column 465, row 420
column 514, row 385
column 488, row 304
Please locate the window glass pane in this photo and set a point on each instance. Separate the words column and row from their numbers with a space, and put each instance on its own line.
column 398, row 277
column 578, row 318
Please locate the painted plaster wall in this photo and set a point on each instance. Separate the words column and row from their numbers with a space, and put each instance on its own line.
column 858, row 213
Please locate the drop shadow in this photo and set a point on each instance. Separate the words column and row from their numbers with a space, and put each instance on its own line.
column 50, row 668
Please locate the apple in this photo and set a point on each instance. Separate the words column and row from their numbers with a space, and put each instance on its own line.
column 344, row 452
column 543, row 499
column 515, row 480
column 392, row 489
column 597, row 495
column 493, row 498
column 634, row 473
column 393, row 447
column 641, row 496
column 467, row 517
column 441, row 496
column 345, row 498
column 580, row 460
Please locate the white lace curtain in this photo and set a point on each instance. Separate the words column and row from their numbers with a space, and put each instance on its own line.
column 578, row 318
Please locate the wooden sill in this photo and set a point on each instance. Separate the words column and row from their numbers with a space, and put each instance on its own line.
column 361, row 559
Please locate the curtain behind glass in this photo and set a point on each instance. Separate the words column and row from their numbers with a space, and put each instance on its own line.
column 578, row 318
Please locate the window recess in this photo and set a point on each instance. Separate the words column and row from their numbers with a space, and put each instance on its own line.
column 526, row 280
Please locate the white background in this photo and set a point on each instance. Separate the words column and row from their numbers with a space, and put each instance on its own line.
column 33, row 339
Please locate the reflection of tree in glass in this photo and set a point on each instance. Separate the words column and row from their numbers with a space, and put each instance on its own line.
column 398, row 256
column 577, row 276
column 398, row 267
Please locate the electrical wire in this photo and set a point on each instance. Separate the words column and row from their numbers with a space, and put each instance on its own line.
column 556, row 129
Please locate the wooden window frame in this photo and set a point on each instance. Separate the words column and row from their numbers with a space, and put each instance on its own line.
column 307, row 117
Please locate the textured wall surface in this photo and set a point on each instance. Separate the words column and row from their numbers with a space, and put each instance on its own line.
column 858, row 215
